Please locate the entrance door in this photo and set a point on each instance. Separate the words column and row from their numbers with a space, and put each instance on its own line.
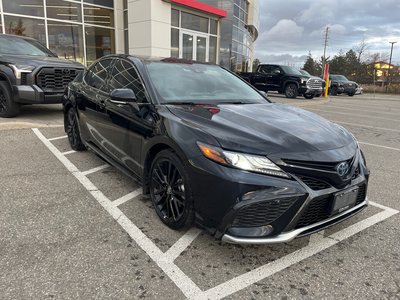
column 193, row 46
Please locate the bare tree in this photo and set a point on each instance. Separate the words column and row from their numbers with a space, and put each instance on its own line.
column 360, row 50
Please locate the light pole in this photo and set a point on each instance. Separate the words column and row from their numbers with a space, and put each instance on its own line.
column 390, row 63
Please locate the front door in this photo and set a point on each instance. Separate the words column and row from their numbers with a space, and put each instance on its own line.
column 193, row 46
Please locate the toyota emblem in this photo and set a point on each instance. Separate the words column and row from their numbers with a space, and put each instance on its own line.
column 342, row 169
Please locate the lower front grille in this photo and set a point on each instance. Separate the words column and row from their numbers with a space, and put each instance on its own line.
column 362, row 193
column 316, row 211
column 262, row 213
column 314, row 83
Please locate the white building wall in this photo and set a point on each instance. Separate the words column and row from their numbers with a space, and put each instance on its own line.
column 149, row 27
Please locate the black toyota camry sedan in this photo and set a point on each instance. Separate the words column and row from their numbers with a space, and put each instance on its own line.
column 212, row 150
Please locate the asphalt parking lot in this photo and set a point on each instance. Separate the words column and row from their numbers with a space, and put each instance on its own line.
column 74, row 227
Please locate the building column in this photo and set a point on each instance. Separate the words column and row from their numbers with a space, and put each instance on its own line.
column 119, row 27
column 149, row 27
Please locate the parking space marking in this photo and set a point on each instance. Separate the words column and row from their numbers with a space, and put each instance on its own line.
column 94, row 170
column 182, row 244
column 127, row 197
column 380, row 146
column 166, row 260
column 366, row 126
column 317, row 245
column 58, row 138
column 68, row 152
column 355, row 114
column 316, row 237
column 363, row 110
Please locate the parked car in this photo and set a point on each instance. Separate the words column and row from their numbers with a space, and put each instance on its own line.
column 211, row 149
column 31, row 74
column 304, row 72
column 339, row 84
column 284, row 79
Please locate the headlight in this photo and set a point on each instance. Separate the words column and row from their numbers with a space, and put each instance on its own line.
column 303, row 80
column 18, row 69
column 247, row 162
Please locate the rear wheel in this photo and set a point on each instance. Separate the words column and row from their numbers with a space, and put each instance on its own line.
column 72, row 129
column 291, row 90
column 170, row 191
column 8, row 108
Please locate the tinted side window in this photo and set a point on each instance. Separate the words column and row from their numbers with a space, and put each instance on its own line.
column 265, row 69
column 124, row 76
column 97, row 74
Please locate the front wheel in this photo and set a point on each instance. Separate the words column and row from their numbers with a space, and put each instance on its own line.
column 334, row 91
column 72, row 129
column 291, row 91
column 170, row 191
column 8, row 108
column 351, row 94
column 308, row 96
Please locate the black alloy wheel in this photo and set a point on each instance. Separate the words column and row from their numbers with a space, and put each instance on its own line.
column 308, row 96
column 291, row 91
column 351, row 94
column 334, row 91
column 72, row 129
column 169, row 191
column 8, row 108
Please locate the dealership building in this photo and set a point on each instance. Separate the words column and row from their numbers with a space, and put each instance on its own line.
column 217, row 31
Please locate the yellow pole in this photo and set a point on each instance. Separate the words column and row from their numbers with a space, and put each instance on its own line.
column 326, row 87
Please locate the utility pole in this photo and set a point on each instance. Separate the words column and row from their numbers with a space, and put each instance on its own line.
column 325, row 44
column 390, row 63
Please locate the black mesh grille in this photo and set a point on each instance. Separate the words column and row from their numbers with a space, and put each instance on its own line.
column 316, row 211
column 362, row 193
column 313, row 183
column 24, row 78
column 326, row 166
column 262, row 213
column 55, row 78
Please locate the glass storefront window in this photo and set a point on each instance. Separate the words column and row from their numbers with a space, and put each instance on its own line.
column 66, row 40
column 212, row 56
column 174, row 42
column 64, row 10
column 24, row 7
column 108, row 3
column 193, row 22
column 213, row 26
column 26, row 27
column 99, row 42
column 98, row 16
column 175, row 17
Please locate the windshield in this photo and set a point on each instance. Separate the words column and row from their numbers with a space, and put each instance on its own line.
column 291, row 70
column 339, row 78
column 199, row 83
column 305, row 72
column 19, row 46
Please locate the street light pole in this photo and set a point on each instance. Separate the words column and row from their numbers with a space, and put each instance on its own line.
column 390, row 63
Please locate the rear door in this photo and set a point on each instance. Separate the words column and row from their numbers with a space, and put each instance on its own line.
column 260, row 78
column 275, row 78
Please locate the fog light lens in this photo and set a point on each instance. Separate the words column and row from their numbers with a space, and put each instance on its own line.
column 251, row 231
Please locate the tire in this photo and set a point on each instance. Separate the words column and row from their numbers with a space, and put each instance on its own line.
column 72, row 129
column 170, row 191
column 334, row 91
column 8, row 108
column 291, row 91
column 351, row 94
column 308, row 96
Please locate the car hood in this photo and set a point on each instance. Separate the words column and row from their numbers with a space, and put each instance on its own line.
column 40, row 61
column 267, row 129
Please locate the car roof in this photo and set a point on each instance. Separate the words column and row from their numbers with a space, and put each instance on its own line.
column 145, row 59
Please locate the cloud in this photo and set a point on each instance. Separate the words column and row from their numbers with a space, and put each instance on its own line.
column 285, row 30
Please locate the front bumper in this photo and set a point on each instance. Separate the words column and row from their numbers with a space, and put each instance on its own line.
column 32, row 94
column 307, row 90
column 249, row 208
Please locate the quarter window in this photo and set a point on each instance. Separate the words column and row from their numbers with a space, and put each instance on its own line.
column 97, row 75
column 124, row 76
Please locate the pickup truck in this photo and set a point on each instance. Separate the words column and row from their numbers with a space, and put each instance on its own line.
column 284, row 79
column 341, row 85
column 31, row 74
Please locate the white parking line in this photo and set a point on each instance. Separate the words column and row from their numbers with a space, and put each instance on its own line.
column 366, row 126
column 355, row 114
column 68, row 152
column 94, row 170
column 380, row 146
column 236, row 284
column 127, row 197
column 58, row 138
column 358, row 109
column 166, row 260
column 182, row 244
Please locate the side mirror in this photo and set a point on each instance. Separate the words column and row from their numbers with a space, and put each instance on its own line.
column 123, row 96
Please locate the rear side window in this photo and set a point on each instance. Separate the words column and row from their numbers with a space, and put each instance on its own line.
column 265, row 69
column 98, row 73
column 124, row 76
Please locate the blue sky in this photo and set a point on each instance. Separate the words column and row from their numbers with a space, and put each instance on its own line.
column 290, row 29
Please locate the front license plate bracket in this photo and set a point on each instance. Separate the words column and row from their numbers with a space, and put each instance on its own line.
column 344, row 200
